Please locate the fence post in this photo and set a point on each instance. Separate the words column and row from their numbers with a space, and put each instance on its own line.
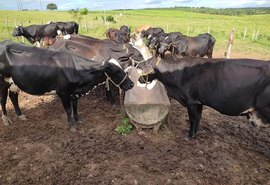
column 188, row 31
column 253, row 35
column 230, row 43
column 15, row 22
column 8, row 28
column 257, row 34
column 86, row 23
column 208, row 30
column 245, row 33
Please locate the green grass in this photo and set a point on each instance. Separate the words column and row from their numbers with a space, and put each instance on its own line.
column 169, row 19
column 124, row 127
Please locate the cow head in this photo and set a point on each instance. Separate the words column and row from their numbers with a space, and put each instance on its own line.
column 136, row 54
column 144, row 33
column 165, row 45
column 125, row 29
column 18, row 31
column 148, row 69
column 117, row 75
column 154, row 43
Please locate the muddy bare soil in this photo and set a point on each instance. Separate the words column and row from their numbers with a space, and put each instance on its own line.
column 42, row 150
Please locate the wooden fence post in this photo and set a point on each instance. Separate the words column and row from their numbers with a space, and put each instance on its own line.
column 188, row 31
column 86, row 23
column 257, row 34
column 208, row 30
column 230, row 43
column 253, row 35
column 15, row 22
column 9, row 34
column 245, row 33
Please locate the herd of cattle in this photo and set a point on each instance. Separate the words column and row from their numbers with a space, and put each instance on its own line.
column 73, row 65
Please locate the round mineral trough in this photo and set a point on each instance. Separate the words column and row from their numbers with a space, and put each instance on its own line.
column 147, row 105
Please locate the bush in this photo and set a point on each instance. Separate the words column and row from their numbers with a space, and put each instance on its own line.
column 125, row 127
column 110, row 18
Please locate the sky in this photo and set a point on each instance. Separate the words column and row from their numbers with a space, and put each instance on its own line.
column 130, row 4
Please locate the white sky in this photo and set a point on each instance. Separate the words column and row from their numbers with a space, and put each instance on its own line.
column 131, row 4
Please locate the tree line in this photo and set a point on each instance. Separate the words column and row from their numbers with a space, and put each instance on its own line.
column 223, row 11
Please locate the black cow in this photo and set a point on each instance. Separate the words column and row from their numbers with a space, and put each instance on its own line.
column 231, row 86
column 35, row 33
column 158, row 41
column 37, row 71
column 119, row 36
column 7, row 88
column 69, row 27
column 126, row 29
column 151, row 32
column 184, row 46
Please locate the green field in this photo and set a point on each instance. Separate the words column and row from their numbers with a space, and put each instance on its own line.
column 169, row 19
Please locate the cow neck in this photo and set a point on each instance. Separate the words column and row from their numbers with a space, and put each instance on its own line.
column 109, row 79
column 152, row 69
column 28, row 36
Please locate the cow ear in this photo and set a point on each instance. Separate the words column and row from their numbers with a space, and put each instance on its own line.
column 21, row 29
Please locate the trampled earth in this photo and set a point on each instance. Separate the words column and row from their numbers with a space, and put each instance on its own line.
column 42, row 150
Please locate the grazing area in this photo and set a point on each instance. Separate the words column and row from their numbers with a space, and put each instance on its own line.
column 227, row 150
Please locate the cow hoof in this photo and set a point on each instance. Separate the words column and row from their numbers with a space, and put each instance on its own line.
column 6, row 120
column 73, row 129
column 22, row 117
column 79, row 121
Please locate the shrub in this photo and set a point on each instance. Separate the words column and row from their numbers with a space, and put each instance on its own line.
column 124, row 127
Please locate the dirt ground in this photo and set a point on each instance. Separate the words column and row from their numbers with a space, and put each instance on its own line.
column 42, row 150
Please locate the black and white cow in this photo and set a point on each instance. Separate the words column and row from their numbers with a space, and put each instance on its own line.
column 70, row 27
column 231, row 86
column 34, row 33
column 37, row 71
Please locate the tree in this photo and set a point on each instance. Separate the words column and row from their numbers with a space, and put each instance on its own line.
column 84, row 11
column 51, row 6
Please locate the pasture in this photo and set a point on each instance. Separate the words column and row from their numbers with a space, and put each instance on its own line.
column 189, row 23
column 227, row 150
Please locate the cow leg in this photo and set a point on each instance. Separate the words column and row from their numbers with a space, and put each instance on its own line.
column 66, row 101
column 14, row 99
column 109, row 97
column 4, row 94
column 262, row 104
column 198, row 117
column 192, row 114
column 76, row 116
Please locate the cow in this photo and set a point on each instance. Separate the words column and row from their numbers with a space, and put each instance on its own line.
column 154, row 43
column 126, row 29
column 137, row 42
column 139, row 29
column 34, row 33
column 37, row 71
column 69, row 27
column 7, row 88
column 119, row 36
column 184, row 46
column 99, row 51
column 235, row 87
column 151, row 32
